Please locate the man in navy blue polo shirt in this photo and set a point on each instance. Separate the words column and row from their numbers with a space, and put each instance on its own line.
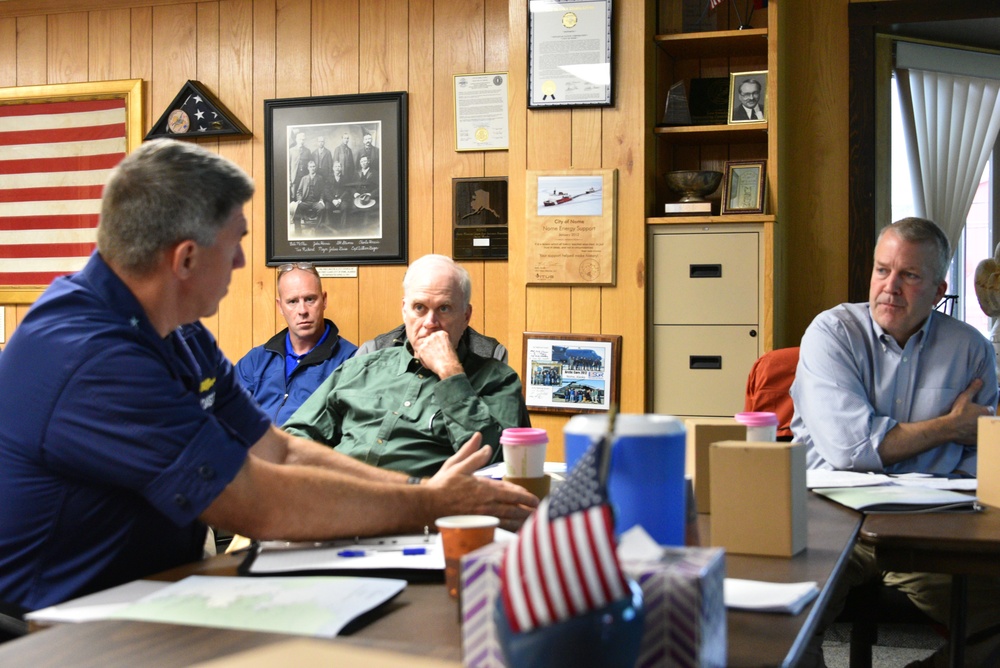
column 123, row 428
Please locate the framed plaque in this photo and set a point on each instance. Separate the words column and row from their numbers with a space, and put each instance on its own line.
column 571, row 373
column 569, row 53
column 481, row 112
column 570, row 227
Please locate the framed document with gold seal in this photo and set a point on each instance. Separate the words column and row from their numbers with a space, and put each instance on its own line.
column 481, row 112
column 569, row 53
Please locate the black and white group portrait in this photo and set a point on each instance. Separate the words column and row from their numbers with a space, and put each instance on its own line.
column 334, row 182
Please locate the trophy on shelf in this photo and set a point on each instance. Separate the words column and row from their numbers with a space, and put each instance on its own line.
column 693, row 186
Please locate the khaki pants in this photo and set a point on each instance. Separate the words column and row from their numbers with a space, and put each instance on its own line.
column 931, row 592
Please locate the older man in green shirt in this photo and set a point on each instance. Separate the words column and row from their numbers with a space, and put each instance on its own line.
column 409, row 408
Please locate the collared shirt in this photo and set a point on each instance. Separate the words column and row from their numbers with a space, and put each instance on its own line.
column 292, row 358
column 113, row 440
column 854, row 383
column 387, row 410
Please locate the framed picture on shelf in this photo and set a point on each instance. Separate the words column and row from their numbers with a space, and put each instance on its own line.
column 335, row 179
column 747, row 92
column 743, row 185
column 571, row 373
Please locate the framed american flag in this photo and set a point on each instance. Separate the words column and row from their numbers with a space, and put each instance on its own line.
column 58, row 143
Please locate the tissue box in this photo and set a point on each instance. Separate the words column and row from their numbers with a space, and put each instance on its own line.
column 988, row 489
column 759, row 497
column 685, row 585
column 701, row 434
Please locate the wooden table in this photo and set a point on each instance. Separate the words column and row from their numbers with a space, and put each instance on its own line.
column 959, row 544
column 422, row 620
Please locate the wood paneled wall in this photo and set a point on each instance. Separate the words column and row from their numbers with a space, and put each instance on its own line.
column 247, row 51
column 251, row 50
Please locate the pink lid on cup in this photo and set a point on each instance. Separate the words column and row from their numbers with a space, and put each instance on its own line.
column 757, row 419
column 524, row 436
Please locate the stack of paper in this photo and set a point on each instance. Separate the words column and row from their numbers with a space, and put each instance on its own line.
column 900, row 499
column 786, row 597
column 312, row 606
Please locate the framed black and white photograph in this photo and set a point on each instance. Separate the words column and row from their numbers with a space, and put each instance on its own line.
column 743, row 186
column 571, row 373
column 569, row 54
column 479, row 230
column 747, row 92
column 335, row 178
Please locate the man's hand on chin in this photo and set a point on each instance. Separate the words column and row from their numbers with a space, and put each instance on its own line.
column 436, row 353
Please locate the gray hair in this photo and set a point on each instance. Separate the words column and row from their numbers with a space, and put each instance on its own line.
column 165, row 192
column 923, row 231
column 441, row 261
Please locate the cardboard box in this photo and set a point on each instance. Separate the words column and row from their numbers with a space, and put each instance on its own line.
column 701, row 433
column 685, row 585
column 758, row 494
column 988, row 466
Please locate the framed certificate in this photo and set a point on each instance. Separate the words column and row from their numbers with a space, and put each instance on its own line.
column 569, row 53
column 481, row 112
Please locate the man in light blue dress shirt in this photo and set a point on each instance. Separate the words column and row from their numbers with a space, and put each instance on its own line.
column 894, row 386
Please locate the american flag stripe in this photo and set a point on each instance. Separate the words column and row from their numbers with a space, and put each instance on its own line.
column 54, row 159
column 534, row 542
column 554, row 579
column 564, row 554
column 32, row 222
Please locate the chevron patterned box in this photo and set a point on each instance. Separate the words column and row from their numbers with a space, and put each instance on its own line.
column 682, row 592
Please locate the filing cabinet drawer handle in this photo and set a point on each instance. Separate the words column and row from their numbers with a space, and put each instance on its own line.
column 705, row 361
column 706, row 270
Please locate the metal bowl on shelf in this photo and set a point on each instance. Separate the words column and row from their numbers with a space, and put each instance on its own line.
column 693, row 185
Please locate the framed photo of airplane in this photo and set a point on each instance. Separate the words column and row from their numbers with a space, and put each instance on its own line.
column 571, row 227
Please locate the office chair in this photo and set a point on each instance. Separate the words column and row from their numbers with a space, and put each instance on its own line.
column 869, row 605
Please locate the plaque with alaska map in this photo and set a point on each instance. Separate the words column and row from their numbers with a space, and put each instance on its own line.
column 479, row 229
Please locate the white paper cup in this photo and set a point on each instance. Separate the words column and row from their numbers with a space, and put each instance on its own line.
column 524, row 451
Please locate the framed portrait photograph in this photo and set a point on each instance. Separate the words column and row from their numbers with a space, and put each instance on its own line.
column 747, row 92
column 479, row 228
column 569, row 54
column 335, row 179
column 571, row 373
column 743, row 185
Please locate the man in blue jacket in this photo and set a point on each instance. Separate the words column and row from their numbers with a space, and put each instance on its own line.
column 283, row 372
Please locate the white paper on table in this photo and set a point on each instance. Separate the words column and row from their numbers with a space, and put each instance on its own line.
column 827, row 478
column 955, row 484
column 382, row 553
column 318, row 606
column 499, row 470
column 786, row 597
column 96, row 606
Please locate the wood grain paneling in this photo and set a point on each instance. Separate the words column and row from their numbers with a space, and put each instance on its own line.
column 32, row 42
column 108, row 50
column 248, row 51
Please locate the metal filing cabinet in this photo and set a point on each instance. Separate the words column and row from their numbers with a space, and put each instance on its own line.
column 707, row 300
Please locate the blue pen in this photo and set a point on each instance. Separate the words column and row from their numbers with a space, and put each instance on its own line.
column 407, row 551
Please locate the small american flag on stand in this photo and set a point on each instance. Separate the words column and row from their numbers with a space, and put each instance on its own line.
column 563, row 562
